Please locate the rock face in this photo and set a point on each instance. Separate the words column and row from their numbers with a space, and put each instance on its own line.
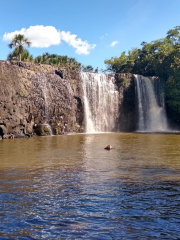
column 32, row 95
column 128, row 118
column 41, row 99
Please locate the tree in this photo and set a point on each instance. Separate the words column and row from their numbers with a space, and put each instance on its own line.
column 25, row 56
column 172, row 87
column 18, row 42
column 88, row 68
column 173, row 35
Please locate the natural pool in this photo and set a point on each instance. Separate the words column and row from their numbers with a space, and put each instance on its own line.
column 69, row 187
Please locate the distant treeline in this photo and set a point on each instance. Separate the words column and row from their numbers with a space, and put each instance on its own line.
column 51, row 59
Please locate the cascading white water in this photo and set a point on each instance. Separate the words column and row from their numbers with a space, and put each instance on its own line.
column 152, row 115
column 101, row 102
column 43, row 84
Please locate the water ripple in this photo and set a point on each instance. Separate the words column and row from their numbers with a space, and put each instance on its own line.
column 87, row 197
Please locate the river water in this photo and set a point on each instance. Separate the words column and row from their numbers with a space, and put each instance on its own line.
column 69, row 187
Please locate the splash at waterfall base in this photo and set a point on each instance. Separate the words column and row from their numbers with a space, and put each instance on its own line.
column 42, row 100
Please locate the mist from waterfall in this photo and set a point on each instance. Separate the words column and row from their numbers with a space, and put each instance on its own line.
column 151, row 110
column 101, row 102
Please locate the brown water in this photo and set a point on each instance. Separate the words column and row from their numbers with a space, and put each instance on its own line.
column 69, row 187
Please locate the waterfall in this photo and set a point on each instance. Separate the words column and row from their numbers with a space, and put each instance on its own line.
column 151, row 110
column 44, row 88
column 101, row 102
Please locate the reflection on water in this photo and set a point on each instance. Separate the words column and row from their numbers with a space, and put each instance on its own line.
column 69, row 187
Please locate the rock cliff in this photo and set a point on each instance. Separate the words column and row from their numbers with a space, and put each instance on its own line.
column 128, row 118
column 33, row 95
column 41, row 99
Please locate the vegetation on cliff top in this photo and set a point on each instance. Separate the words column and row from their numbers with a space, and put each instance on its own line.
column 22, row 54
column 18, row 42
column 57, row 60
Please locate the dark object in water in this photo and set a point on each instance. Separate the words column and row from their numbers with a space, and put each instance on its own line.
column 1, row 133
column 108, row 147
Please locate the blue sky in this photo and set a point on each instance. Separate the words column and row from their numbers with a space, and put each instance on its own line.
column 90, row 31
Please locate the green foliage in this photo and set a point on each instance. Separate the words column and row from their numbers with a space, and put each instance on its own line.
column 173, row 35
column 25, row 56
column 18, row 42
column 87, row 68
column 125, row 82
column 59, row 61
column 148, row 61
column 172, row 90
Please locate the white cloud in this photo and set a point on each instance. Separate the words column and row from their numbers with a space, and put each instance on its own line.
column 114, row 43
column 103, row 36
column 40, row 36
column 45, row 36
column 82, row 47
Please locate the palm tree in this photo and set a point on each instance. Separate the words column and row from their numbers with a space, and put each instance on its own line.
column 25, row 55
column 18, row 42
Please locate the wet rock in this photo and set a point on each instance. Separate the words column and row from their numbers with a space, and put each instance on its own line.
column 77, row 128
column 41, row 130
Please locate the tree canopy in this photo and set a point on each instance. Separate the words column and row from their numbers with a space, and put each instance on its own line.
column 19, row 41
column 87, row 68
column 25, row 56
